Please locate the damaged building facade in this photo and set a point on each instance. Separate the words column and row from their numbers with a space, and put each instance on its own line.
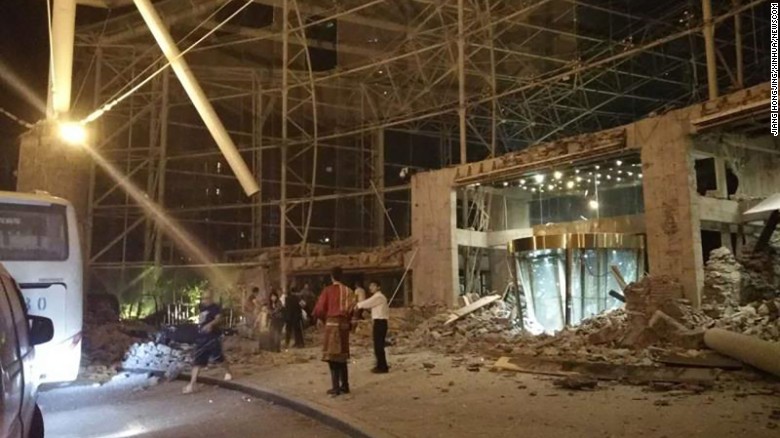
column 643, row 198
column 451, row 149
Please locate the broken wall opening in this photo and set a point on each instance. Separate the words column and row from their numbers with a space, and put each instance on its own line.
column 572, row 277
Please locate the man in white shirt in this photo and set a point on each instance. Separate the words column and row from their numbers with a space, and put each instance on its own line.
column 380, row 312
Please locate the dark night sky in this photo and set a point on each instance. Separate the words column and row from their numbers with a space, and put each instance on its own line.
column 23, row 49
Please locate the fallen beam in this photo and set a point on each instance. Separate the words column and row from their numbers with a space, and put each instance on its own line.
column 504, row 364
column 634, row 374
column 712, row 360
column 473, row 307
column 748, row 349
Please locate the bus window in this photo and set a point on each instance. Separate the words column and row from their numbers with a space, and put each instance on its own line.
column 33, row 233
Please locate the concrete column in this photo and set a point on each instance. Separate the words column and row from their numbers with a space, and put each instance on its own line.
column 500, row 275
column 671, row 202
column 378, row 178
column 46, row 163
column 435, row 269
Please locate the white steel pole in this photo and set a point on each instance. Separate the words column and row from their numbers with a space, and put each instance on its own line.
column 63, row 29
column 198, row 97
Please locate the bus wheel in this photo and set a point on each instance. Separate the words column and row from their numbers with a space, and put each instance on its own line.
column 36, row 428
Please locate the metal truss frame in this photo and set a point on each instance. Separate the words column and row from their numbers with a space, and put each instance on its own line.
column 467, row 79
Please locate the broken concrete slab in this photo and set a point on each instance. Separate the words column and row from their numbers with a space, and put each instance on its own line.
column 705, row 360
column 669, row 330
column 634, row 374
column 463, row 311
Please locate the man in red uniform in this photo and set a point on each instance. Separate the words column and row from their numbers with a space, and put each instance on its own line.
column 334, row 307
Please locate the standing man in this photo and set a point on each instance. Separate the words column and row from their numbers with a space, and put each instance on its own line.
column 308, row 299
column 208, row 345
column 380, row 313
column 335, row 307
column 293, row 320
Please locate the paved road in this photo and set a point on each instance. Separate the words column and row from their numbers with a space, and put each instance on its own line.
column 135, row 408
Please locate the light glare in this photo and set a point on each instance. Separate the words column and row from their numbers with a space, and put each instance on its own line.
column 73, row 133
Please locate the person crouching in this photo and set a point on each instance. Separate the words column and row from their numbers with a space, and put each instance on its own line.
column 334, row 307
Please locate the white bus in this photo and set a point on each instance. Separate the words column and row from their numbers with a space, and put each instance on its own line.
column 39, row 246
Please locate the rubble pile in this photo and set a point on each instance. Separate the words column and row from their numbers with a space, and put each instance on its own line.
column 655, row 317
column 760, row 319
column 106, row 344
column 762, row 272
column 150, row 356
column 488, row 328
column 722, row 281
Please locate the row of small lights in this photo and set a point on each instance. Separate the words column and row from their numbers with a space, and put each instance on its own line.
column 618, row 174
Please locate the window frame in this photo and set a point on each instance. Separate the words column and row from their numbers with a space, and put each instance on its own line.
column 47, row 209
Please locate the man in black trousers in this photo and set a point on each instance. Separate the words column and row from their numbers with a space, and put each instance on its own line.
column 293, row 320
column 380, row 313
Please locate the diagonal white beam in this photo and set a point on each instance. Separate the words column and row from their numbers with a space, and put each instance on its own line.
column 62, row 40
column 198, row 97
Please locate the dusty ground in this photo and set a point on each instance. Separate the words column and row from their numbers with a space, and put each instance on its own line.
column 447, row 400
column 137, row 407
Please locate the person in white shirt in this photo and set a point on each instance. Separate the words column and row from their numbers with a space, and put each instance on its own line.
column 380, row 312
column 360, row 295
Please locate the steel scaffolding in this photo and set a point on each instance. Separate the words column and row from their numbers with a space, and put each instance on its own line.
column 329, row 101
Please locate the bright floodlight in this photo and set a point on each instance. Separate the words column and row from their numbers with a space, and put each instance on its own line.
column 539, row 178
column 73, row 133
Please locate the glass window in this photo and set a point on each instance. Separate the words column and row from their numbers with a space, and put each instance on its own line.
column 33, row 233
column 542, row 274
column 9, row 349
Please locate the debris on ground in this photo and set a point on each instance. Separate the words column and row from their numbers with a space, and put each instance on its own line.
column 657, row 320
column 106, row 344
column 151, row 356
column 576, row 383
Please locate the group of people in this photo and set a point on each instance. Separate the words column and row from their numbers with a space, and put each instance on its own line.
column 337, row 309
column 288, row 313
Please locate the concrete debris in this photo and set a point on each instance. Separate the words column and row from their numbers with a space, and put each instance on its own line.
column 668, row 329
column 488, row 328
column 97, row 373
column 577, row 383
column 106, row 344
column 656, row 320
column 150, row 356
column 722, row 280
column 474, row 368
column 762, row 269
